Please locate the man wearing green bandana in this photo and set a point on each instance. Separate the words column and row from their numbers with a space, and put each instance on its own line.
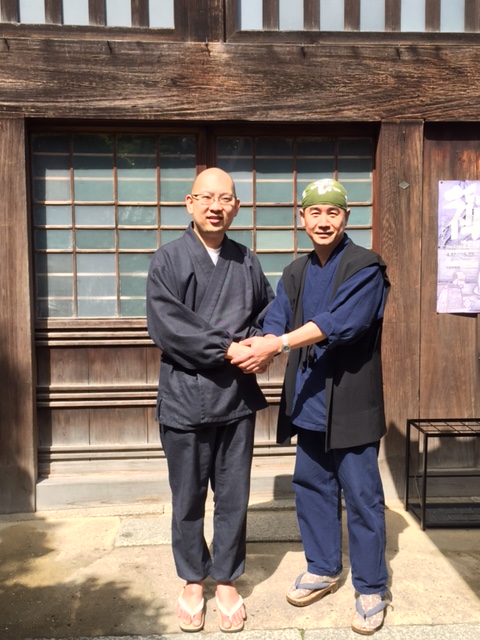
column 327, row 315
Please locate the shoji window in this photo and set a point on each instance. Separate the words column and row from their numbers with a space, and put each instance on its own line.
column 270, row 174
column 103, row 203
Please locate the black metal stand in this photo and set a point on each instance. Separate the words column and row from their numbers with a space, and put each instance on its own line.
column 450, row 514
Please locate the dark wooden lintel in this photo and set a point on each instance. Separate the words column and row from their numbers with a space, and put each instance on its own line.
column 98, row 79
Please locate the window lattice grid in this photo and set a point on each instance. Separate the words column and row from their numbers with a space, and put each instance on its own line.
column 359, row 15
column 102, row 204
column 270, row 174
column 113, row 13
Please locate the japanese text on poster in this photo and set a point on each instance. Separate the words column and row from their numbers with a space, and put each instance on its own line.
column 458, row 280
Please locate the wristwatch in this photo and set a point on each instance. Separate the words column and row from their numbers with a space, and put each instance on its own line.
column 286, row 348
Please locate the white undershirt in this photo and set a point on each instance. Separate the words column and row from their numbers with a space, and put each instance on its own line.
column 214, row 253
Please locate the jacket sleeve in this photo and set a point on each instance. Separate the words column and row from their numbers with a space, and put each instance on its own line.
column 263, row 297
column 182, row 335
column 279, row 314
column 358, row 303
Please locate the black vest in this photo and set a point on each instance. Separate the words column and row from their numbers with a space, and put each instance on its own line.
column 354, row 387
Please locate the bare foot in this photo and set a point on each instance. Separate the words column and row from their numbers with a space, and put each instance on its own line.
column 228, row 596
column 191, row 598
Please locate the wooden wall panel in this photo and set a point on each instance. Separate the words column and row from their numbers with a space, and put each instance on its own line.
column 449, row 362
column 57, row 366
column 449, row 342
column 169, row 81
column 117, row 365
column 121, row 425
column 17, row 418
column 398, row 238
column 62, row 427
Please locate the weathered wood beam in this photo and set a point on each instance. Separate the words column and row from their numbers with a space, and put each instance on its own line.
column 175, row 81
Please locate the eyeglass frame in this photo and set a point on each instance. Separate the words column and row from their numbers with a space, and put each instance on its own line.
column 213, row 198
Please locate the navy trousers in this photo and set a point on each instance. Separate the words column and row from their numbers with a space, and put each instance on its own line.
column 221, row 456
column 319, row 478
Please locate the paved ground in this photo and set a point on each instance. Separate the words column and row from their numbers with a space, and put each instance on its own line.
column 108, row 573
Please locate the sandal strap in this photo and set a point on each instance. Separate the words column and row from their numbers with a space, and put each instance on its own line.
column 191, row 612
column 233, row 610
column 311, row 586
column 371, row 612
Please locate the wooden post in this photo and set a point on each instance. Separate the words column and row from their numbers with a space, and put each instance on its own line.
column 398, row 238
column 17, row 414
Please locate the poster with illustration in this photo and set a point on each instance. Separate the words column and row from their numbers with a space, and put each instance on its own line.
column 458, row 281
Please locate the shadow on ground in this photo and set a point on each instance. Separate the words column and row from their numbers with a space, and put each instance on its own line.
column 49, row 592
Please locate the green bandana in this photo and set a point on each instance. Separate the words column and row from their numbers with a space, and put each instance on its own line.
column 325, row 192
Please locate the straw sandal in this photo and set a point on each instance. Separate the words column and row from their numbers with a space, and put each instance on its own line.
column 370, row 613
column 313, row 589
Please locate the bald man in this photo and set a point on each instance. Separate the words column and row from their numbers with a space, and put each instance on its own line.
column 206, row 293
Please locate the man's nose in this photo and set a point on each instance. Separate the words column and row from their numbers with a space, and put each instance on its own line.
column 322, row 220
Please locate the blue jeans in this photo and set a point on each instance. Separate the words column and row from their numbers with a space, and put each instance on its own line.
column 319, row 478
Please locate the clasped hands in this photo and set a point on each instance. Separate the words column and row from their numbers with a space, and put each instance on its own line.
column 255, row 354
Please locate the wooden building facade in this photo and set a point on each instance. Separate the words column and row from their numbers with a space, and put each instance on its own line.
column 104, row 121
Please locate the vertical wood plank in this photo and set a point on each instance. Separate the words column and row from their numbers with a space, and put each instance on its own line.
column 9, row 11
column 97, row 12
column 17, row 414
column 352, row 15
column 53, row 12
column 140, row 14
column 206, row 21
column 397, row 237
column 472, row 15
column 392, row 15
column 432, row 15
column 232, row 19
column 271, row 15
column 311, row 15
column 180, row 16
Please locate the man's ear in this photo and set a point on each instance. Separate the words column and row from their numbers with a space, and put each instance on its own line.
column 302, row 217
column 189, row 203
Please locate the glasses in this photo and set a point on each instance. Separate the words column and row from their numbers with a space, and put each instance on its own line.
column 207, row 198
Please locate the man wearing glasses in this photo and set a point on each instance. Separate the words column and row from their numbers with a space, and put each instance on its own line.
column 206, row 293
